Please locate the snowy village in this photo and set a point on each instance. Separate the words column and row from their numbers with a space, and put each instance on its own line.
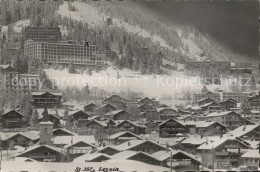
column 96, row 86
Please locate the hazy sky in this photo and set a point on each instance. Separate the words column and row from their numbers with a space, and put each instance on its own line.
column 233, row 24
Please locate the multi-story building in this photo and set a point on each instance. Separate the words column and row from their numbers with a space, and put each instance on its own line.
column 7, row 76
column 43, row 34
column 64, row 53
column 46, row 99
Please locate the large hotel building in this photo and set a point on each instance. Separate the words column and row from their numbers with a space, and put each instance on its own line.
column 64, row 53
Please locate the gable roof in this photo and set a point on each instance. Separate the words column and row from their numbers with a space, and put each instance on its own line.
column 76, row 111
column 163, row 155
column 107, row 104
column 66, row 140
column 209, row 104
column 205, row 124
column 56, row 149
column 13, row 111
column 66, row 131
column 115, row 112
column 107, row 147
column 90, row 104
column 38, row 93
column 101, row 123
column 119, row 134
column 201, row 100
column 133, row 143
column 171, row 120
column 90, row 157
column 215, row 144
column 135, row 123
column 79, row 141
column 238, row 132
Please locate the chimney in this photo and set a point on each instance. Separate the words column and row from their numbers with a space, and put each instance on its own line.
column 129, row 144
column 104, row 144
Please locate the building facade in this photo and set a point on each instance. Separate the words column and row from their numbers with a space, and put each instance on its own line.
column 63, row 53
column 43, row 34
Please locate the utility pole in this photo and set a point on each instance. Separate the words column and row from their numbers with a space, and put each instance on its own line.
column 1, row 147
column 171, row 161
column 213, row 159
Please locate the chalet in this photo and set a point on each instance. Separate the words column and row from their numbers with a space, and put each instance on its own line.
column 92, row 157
column 62, row 141
column 190, row 144
column 208, row 94
column 12, row 119
column 115, row 100
column 24, row 139
column 109, row 150
column 145, row 107
column 103, row 109
column 251, row 159
column 210, row 107
column 204, row 101
column 228, row 104
column 223, row 150
column 48, row 99
column 62, row 132
column 167, row 113
column 90, row 107
column 78, row 148
column 131, row 126
column 210, row 128
column 141, row 145
column 149, row 101
column 228, row 118
column 171, row 127
column 118, row 115
column 181, row 161
column 247, row 132
column 43, row 153
column 95, row 124
column 79, row 114
column 121, row 137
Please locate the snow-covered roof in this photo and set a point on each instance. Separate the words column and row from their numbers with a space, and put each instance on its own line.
column 38, row 93
column 238, row 132
column 166, row 108
column 253, row 153
column 107, row 147
column 208, row 104
column 66, row 140
column 65, row 130
column 219, row 114
column 124, row 154
column 173, row 120
column 119, row 134
column 135, row 123
column 195, row 140
column 47, row 123
column 80, row 141
column 24, row 159
column 213, row 144
column 163, row 155
column 205, row 124
column 32, row 135
column 90, row 157
column 133, row 143
column 101, row 123
column 56, row 149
